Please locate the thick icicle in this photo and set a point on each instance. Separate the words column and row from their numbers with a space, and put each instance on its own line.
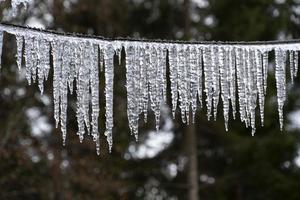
column 80, row 86
column 65, row 63
column 280, row 76
column 57, row 62
column 109, row 84
column 132, row 112
column 94, row 81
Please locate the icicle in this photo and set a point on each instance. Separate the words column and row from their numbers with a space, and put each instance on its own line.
column 160, row 85
column 241, row 83
column 199, row 75
column 94, row 81
column 208, row 79
column 28, row 58
column 181, row 82
column 225, row 90
column 260, row 84
column 296, row 61
column 19, row 54
column 216, row 79
column 44, row 62
column 64, row 88
column 109, row 78
column 187, row 97
column 80, row 86
column 147, row 81
column 143, row 82
column 194, row 80
column 173, row 77
column 265, row 69
column 163, row 72
column 280, row 82
column 132, row 112
column 72, row 66
column 138, row 82
column 251, row 88
column 292, row 66
column 86, row 70
column 1, row 45
column 232, row 79
column 57, row 62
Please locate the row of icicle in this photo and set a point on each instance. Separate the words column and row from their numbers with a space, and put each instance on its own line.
column 216, row 70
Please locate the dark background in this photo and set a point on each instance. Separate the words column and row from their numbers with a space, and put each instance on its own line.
column 176, row 160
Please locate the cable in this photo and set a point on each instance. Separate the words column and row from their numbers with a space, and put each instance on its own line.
column 293, row 41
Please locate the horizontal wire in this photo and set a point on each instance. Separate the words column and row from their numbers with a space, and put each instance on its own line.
column 79, row 35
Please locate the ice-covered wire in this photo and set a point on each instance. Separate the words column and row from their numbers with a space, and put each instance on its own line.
column 79, row 35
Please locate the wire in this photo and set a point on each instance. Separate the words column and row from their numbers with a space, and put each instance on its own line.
column 292, row 41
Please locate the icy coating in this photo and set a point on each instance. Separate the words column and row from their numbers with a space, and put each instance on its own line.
column 234, row 76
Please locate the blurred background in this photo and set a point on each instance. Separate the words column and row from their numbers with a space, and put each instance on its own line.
column 200, row 161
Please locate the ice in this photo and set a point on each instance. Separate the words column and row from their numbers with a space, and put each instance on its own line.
column 109, row 84
column 57, row 59
column 19, row 54
column 241, row 86
column 132, row 112
column 260, row 83
column 280, row 58
column 292, row 66
column 208, row 79
column 94, row 84
column 225, row 89
column 236, row 73
column 232, row 79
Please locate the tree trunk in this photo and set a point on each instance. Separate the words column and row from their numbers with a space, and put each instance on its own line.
column 190, row 133
column 192, row 165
